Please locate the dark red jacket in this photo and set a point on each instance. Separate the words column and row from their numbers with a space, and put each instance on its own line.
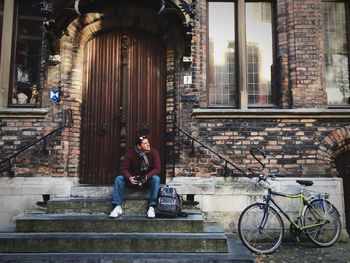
column 132, row 164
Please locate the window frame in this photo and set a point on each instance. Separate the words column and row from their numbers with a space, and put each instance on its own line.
column 208, row 55
column 7, row 59
column 13, row 65
column 347, row 13
column 241, row 70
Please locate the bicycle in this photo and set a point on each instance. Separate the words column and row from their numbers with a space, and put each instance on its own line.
column 261, row 227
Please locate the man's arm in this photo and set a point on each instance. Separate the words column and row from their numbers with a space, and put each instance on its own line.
column 126, row 165
column 156, row 164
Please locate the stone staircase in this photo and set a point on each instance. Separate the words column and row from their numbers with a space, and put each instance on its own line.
column 78, row 229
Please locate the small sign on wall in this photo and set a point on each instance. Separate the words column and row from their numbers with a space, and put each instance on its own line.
column 187, row 59
column 55, row 95
column 188, row 80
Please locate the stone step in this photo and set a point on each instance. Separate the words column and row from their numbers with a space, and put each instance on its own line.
column 98, row 200
column 113, row 242
column 94, row 205
column 86, row 191
column 40, row 222
column 131, row 205
column 237, row 253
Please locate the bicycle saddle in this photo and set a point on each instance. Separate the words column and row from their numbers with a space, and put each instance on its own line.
column 305, row 182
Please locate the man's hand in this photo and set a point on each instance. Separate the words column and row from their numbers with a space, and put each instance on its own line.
column 144, row 179
column 133, row 180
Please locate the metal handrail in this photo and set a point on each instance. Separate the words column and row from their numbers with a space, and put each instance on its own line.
column 67, row 122
column 222, row 161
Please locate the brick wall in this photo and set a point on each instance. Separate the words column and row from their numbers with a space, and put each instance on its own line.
column 300, row 145
column 303, row 146
column 297, row 147
column 304, row 51
column 299, row 54
column 16, row 134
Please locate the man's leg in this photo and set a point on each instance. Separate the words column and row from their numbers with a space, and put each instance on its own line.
column 154, row 184
column 119, row 184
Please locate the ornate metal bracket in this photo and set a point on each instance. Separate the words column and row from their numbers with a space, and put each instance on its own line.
column 47, row 9
column 186, row 8
column 189, row 9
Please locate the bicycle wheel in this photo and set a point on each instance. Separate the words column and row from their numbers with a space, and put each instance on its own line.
column 327, row 234
column 262, row 232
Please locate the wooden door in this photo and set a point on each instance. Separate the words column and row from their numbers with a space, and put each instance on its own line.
column 343, row 166
column 123, row 96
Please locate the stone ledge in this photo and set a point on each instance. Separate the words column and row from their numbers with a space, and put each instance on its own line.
column 246, row 186
column 223, row 199
column 271, row 113
column 19, row 195
column 23, row 112
column 27, row 186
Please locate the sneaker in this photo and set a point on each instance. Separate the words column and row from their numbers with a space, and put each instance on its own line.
column 150, row 212
column 117, row 211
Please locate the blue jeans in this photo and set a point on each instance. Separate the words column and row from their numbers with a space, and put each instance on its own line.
column 119, row 184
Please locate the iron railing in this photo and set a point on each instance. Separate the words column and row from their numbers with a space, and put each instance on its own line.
column 67, row 121
column 229, row 167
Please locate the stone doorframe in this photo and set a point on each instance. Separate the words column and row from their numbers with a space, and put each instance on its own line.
column 69, row 72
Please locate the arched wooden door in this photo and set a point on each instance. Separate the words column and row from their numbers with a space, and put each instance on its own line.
column 123, row 95
column 343, row 166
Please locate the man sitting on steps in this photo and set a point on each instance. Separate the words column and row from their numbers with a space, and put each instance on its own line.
column 141, row 166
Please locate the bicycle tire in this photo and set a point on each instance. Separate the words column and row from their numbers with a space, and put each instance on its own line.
column 325, row 235
column 261, row 241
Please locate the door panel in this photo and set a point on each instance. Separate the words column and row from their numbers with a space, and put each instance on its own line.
column 123, row 93
column 146, row 95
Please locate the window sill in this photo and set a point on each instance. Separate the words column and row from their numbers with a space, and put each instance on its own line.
column 22, row 113
column 271, row 113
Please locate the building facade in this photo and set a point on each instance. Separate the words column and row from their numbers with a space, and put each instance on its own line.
column 206, row 80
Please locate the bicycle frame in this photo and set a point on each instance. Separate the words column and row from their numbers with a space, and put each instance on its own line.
column 303, row 202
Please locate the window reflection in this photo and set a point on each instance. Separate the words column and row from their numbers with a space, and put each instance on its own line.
column 223, row 54
column 336, row 53
column 222, row 72
column 1, row 18
column 26, row 72
column 259, row 53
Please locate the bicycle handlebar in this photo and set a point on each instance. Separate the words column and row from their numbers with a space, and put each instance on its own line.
column 264, row 177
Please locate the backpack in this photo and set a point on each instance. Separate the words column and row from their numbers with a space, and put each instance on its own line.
column 169, row 203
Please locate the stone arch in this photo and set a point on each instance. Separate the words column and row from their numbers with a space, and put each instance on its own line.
column 336, row 143
column 160, row 16
column 168, row 26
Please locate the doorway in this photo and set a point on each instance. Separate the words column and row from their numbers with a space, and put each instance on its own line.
column 343, row 166
column 123, row 97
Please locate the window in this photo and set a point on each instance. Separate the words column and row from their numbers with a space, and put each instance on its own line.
column 222, row 73
column 336, row 52
column 1, row 18
column 240, row 68
column 259, row 53
column 25, row 72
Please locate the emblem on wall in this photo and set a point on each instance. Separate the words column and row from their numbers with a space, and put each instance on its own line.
column 55, row 96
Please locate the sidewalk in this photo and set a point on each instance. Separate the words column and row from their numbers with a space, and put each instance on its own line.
column 293, row 252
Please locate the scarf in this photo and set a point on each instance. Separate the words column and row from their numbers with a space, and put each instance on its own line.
column 143, row 159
